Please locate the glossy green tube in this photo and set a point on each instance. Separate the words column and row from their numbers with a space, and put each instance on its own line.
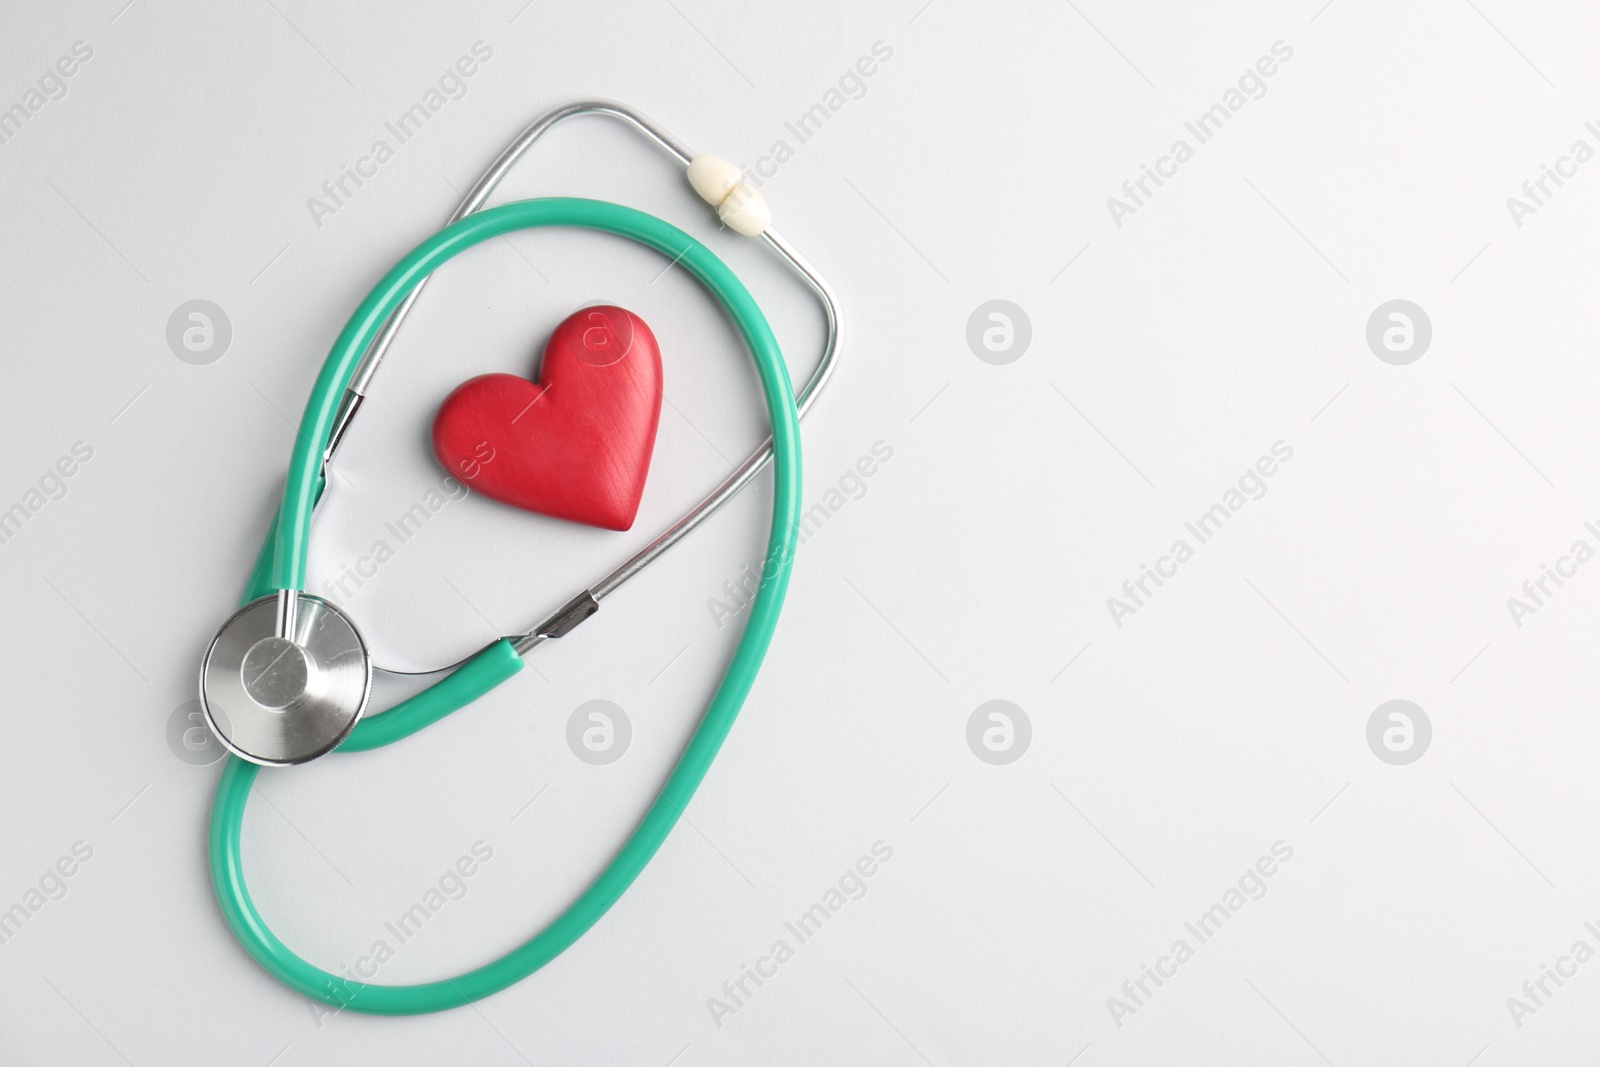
column 286, row 567
column 461, row 687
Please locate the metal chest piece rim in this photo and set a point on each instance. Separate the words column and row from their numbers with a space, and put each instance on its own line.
column 280, row 700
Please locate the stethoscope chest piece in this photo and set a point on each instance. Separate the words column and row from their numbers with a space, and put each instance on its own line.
column 280, row 700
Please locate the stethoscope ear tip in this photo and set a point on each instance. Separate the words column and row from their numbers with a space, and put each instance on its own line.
column 741, row 208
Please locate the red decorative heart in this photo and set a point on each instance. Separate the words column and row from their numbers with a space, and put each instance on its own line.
column 575, row 444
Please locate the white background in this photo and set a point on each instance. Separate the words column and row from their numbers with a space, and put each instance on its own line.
column 1167, row 754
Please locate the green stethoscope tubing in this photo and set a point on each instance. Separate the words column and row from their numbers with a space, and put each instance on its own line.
column 286, row 546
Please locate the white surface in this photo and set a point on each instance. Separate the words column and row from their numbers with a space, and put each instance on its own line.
column 1225, row 315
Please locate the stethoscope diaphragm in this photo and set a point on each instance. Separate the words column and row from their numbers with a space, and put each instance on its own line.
column 284, row 700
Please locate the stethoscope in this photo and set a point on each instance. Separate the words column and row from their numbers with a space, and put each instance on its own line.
column 288, row 676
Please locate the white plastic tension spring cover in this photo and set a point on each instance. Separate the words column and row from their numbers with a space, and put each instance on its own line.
column 741, row 208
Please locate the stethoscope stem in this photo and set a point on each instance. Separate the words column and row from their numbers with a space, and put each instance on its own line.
column 287, row 613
